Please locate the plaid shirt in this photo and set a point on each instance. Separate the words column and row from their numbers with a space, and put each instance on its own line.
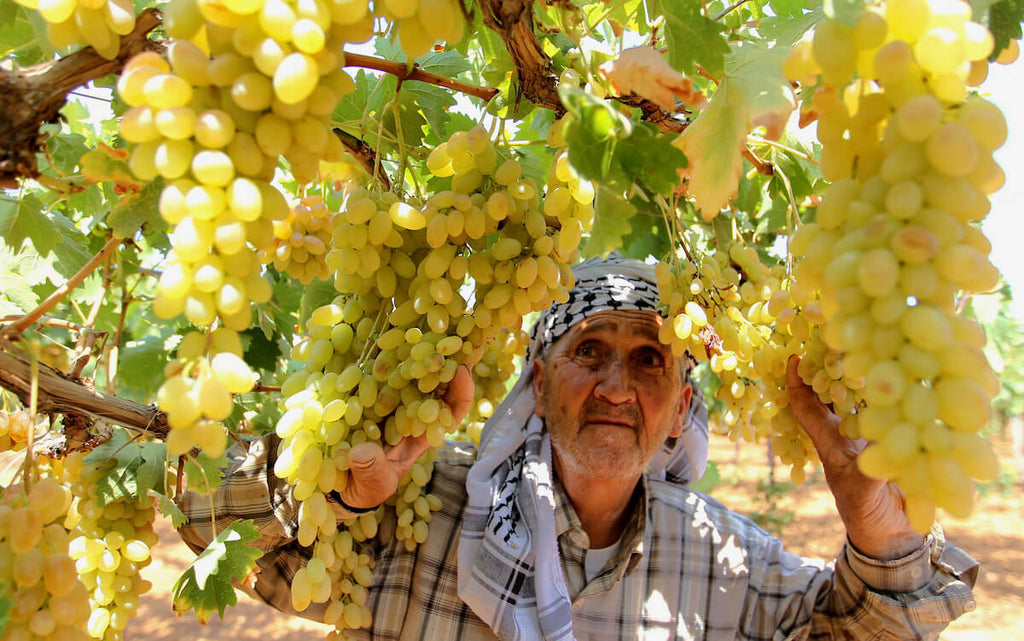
column 687, row 568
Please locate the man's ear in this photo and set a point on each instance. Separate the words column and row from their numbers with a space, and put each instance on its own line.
column 684, row 407
column 538, row 388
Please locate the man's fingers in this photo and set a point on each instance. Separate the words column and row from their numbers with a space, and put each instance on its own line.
column 813, row 415
column 403, row 455
column 373, row 477
column 459, row 395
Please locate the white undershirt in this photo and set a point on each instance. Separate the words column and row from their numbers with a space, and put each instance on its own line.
column 595, row 559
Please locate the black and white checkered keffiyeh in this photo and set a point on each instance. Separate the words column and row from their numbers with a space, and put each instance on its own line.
column 509, row 570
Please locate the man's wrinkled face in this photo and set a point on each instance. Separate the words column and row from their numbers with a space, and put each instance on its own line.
column 610, row 393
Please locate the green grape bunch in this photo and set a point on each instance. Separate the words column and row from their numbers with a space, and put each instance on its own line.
column 895, row 244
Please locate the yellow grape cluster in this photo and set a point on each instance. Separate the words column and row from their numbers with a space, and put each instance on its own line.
column 37, row 575
column 110, row 544
column 14, row 430
column 94, row 23
column 895, row 240
column 301, row 241
column 421, row 23
column 377, row 359
column 197, row 394
column 491, row 375
column 717, row 311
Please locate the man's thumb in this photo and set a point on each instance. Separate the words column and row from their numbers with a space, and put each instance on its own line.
column 373, row 478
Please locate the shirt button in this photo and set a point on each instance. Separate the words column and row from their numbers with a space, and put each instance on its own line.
column 970, row 607
column 916, row 573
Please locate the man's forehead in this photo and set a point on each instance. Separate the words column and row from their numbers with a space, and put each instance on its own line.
column 644, row 322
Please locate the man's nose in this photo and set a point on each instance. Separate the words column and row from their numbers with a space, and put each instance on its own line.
column 616, row 385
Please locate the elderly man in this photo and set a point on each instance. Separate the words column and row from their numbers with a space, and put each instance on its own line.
column 572, row 520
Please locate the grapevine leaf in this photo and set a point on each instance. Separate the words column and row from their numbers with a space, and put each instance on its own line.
column 499, row 70
column 137, row 209
column 141, row 364
column 205, row 472
column 66, row 151
column 6, row 604
column 24, row 218
column 844, row 11
column 109, row 165
column 787, row 8
column 22, row 34
column 634, row 157
column 205, row 586
column 795, row 171
column 787, row 30
column 753, row 87
column 265, row 420
column 608, row 148
column 169, row 509
column 693, row 39
column 76, row 118
column 445, row 63
column 15, row 285
column 15, row 29
column 611, row 223
column 1004, row 20
column 261, row 352
column 649, row 235
column 133, row 468
column 424, row 104
column 314, row 295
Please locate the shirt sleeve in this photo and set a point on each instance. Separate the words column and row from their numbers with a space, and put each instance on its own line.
column 250, row 490
column 858, row 597
column 914, row 597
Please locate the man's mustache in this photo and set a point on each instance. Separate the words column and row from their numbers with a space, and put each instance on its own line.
column 625, row 413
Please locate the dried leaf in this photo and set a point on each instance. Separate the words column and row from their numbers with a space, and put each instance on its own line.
column 644, row 71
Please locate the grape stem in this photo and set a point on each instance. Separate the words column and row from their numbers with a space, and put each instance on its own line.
column 365, row 155
column 785, row 148
column 26, row 321
column 87, row 340
column 400, row 71
column 729, row 9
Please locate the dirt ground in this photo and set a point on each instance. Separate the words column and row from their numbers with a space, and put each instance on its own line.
column 994, row 535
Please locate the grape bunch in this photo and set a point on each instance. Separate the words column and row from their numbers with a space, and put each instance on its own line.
column 197, row 394
column 378, row 358
column 301, row 241
column 491, row 375
column 421, row 23
column 109, row 543
column 716, row 310
column 895, row 242
column 91, row 23
column 38, row 576
column 14, row 430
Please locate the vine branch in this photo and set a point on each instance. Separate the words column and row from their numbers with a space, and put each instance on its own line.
column 402, row 72
column 26, row 321
column 60, row 396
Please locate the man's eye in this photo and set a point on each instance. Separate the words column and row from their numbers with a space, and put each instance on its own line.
column 587, row 349
column 651, row 358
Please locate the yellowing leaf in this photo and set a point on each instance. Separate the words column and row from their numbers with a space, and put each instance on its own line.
column 753, row 90
column 105, row 164
column 643, row 71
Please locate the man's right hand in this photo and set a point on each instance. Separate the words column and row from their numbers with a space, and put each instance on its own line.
column 376, row 472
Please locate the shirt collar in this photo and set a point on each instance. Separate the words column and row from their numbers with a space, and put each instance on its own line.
column 567, row 523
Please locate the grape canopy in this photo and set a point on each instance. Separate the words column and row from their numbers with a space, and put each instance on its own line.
column 302, row 217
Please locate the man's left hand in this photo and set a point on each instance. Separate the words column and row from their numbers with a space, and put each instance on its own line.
column 872, row 509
